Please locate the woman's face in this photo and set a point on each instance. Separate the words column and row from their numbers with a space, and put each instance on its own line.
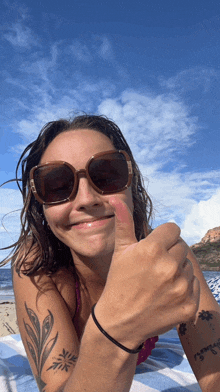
column 91, row 239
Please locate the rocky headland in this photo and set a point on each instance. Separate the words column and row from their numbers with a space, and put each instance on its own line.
column 207, row 251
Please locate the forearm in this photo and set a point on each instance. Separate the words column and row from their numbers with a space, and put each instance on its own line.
column 101, row 366
column 201, row 344
column 201, row 337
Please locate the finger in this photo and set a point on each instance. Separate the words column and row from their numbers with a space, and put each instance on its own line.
column 196, row 290
column 165, row 235
column 179, row 251
column 188, row 270
column 124, row 224
column 195, row 293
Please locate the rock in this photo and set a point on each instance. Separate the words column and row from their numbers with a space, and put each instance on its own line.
column 212, row 235
column 207, row 251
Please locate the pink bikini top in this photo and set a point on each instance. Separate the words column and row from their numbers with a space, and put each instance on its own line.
column 149, row 345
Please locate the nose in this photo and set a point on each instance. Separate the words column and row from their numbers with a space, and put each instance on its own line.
column 86, row 196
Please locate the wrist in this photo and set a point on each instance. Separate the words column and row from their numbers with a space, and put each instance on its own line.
column 117, row 329
column 95, row 341
column 118, row 344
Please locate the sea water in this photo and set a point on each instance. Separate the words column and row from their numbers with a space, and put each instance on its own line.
column 6, row 289
column 7, row 294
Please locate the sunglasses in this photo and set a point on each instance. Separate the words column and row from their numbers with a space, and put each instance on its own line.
column 57, row 182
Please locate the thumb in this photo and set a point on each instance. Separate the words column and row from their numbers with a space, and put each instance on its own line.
column 124, row 224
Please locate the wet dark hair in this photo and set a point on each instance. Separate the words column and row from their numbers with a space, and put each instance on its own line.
column 47, row 252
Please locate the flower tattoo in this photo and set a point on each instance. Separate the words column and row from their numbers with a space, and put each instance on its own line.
column 64, row 361
column 205, row 315
column 182, row 329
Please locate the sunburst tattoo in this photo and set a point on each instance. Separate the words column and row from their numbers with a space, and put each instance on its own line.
column 64, row 361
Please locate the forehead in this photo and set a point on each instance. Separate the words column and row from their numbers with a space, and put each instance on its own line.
column 76, row 145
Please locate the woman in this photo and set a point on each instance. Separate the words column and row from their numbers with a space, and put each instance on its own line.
column 86, row 240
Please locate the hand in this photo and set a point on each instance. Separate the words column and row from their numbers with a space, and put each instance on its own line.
column 150, row 286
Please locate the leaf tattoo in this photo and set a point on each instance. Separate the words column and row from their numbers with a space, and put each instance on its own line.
column 38, row 350
column 31, row 334
column 48, row 350
column 32, row 351
column 47, row 327
column 33, row 317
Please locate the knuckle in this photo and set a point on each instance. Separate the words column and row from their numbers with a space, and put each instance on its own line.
column 154, row 249
column 181, row 288
column 189, row 310
column 169, row 270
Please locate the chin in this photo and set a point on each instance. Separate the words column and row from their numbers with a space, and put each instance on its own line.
column 94, row 250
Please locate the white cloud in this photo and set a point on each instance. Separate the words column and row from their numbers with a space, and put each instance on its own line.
column 30, row 128
column 60, row 105
column 10, row 208
column 191, row 79
column 105, row 50
column 203, row 216
column 80, row 51
column 175, row 196
column 42, row 67
column 21, row 36
column 152, row 125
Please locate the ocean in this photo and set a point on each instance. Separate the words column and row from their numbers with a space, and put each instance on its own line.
column 7, row 294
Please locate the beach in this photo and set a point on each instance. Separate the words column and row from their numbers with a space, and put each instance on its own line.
column 8, row 319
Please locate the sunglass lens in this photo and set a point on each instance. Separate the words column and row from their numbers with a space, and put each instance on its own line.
column 110, row 172
column 54, row 183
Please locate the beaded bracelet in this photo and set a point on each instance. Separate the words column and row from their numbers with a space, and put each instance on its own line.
column 112, row 339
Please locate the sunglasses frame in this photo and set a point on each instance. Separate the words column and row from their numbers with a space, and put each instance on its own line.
column 76, row 176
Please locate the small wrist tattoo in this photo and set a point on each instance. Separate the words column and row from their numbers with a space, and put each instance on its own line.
column 212, row 348
column 205, row 315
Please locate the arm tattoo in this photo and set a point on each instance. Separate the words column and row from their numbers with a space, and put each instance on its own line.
column 64, row 361
column 40, row 347
column 207, row 316
column 211, row 347
column 182, row 329
column 183, row 332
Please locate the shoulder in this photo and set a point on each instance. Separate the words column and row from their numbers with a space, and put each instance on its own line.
column 65, row 283
column 62, row 282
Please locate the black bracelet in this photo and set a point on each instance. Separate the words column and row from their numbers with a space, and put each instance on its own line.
column 113, row 340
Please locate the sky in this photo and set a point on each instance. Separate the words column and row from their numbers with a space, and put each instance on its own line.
column 150, row 66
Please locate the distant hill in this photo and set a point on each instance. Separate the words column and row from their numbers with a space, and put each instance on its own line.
column 207, row 251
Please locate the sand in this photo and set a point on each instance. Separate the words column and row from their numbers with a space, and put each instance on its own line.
column 8, row 319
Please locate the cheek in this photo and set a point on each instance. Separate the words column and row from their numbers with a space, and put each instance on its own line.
column 128, row 199
column 126, row 196
column 53, row 215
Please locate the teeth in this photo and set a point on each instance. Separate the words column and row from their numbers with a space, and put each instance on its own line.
column 89, row 222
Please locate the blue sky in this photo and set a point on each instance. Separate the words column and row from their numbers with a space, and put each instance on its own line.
column 153, row 67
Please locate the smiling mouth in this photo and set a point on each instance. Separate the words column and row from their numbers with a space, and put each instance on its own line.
column 102, row 218
column 93, row 221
